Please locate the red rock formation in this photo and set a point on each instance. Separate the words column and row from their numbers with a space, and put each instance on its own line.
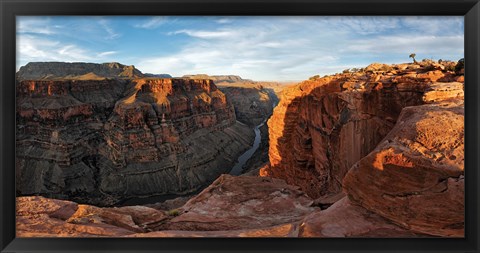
column 101, row 141
column 42, row 217
column 414, row 177
column 245, row 202
column 345, row 219
column 324, row 126
column 231, row 206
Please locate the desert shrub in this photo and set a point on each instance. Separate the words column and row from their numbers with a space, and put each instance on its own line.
column 173, row 212
column 386, row 68
column 315, row 77
column 450, row 67
column 460, row 65
column 429, row 67
column 345, row 71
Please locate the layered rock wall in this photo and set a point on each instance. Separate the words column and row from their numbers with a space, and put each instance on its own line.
column 101, row 141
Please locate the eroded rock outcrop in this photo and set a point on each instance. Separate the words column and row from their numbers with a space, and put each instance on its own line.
column 102, row 141
column 233, row 203
column 344, row 219
column 230, row 207
column 322, row 127
column 43, row 217
column 412, row 120
column 415, row 177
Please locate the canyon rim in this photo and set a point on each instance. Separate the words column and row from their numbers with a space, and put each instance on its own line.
column 112, row 150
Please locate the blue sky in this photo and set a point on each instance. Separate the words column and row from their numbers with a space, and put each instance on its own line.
column 259, row 48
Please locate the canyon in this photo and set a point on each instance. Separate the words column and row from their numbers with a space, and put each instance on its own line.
column 103, row 140
column 371, row 152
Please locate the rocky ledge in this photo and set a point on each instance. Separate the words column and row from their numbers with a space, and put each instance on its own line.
column 231, row 206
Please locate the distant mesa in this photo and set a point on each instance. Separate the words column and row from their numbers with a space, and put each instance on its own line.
column 219, row 78
column 79, row 70
column 157, row 75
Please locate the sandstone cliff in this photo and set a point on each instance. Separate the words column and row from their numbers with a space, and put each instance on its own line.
column 102, row 141
column 253, row 101
column 397, row 130
column 220, row 79
column 322, row 127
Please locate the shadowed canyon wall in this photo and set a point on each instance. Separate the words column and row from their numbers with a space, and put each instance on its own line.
column 101, row 141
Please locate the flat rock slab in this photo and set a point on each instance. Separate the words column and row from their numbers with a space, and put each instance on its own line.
column 344, row 219
column 234, row 203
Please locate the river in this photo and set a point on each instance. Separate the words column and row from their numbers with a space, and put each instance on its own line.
column 236, row 170
column 238, row 167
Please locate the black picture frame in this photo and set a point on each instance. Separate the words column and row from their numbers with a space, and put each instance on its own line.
column 470, row 9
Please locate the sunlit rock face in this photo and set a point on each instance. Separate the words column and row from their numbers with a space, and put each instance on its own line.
column 415, row 176
column 324, row 126
column 392, row 139
column 103, row 140
column 244, row 202
column 230, row 207
column 346, row 219
column 253, row 100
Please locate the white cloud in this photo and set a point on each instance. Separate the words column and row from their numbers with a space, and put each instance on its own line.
column 152, row 23
column 107, row 53
column 434, row 25
column 363, row 25
column 32, row 48
column 110, row 31
column 72, row 52
column 410, row 43
column 262, row 52
column 224, row 20
column 35, row 25
column 207, row 34
column 298, row 47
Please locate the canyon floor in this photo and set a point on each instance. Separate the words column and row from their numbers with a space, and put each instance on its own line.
column 371, row 152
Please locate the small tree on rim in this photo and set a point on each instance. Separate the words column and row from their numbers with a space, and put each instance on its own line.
column 413, row 57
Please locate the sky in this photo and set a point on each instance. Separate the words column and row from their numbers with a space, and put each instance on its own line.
column 259, row 48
